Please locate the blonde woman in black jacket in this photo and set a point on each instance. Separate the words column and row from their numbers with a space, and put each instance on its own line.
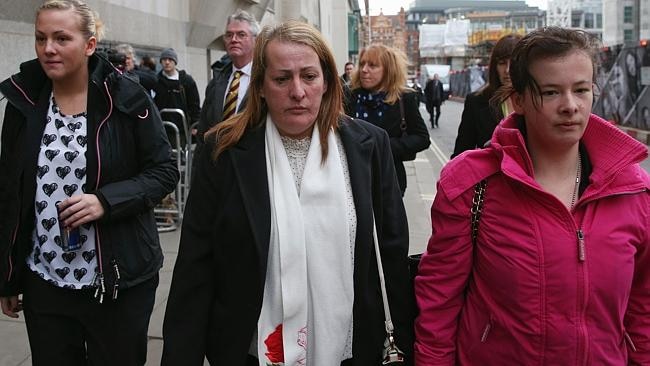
column 84, row 160
column 380, row 96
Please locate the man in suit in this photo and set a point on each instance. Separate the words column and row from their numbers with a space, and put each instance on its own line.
column 434, row 95
column 226, row 93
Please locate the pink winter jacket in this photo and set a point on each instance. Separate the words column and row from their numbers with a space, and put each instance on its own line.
column 524, row 295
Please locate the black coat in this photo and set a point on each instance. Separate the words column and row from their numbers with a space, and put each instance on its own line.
column 434, row 94
column 477, row 123
column 181, row 94
column 416, row 138
column 216, row 293
column 147, row 78
column 212, row 110
column 133, row 172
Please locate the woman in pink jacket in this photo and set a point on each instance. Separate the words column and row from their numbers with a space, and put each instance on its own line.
column 560, row 272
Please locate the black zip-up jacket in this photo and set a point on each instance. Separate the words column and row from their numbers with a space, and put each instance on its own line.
column 129, row 165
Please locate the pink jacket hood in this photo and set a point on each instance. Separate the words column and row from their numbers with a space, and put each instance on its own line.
column 525, row 295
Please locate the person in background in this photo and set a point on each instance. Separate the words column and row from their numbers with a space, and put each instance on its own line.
column 418, row 89
column 276, row 264
column 146, row 77
column 560, row 271
column 148, row 62
column 380, row 96
column 177, row 89
column 644, row 115
column 482, row 112
column 84, row 160
column 434, row 95
column 227, row 92
column 347, row 74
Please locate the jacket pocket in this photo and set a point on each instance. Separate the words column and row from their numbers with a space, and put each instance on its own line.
column 486, row 330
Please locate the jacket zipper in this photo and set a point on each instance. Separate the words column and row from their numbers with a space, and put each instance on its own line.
column 22, row 91
column 628, row 340
column 583, row 351
column 10, row 261
column 581, row 246
column 99, row 281
column 486, row 330
column 11, row 246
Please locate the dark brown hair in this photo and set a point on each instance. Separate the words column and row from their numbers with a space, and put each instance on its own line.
column 502, row 51
column 544, row 43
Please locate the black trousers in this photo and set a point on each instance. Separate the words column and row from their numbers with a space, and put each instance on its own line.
column 69, row 327
column 435, row 113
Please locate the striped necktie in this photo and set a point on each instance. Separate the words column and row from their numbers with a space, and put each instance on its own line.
column 230, row 106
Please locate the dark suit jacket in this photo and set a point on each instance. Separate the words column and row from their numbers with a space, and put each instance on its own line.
column 434, row 94
column 212, row 110
column 218, row 283
column 477, row 123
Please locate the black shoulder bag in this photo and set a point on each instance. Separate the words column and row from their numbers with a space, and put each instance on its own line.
column 475, row 217
column 409, row 156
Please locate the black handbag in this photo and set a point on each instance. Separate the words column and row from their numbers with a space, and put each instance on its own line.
column 409, row 156
column 475, row 216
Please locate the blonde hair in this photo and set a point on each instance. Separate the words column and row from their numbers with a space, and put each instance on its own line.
column 229, row 132
column 90, row 24
column 394, row 62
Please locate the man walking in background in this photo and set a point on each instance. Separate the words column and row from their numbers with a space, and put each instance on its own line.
column 434, row 95
column 226, row 93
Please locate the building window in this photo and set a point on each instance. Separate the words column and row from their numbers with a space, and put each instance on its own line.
column 627, row 35
column 627, row 14
column 575, row 20
column 589, row 20
column 599, row 20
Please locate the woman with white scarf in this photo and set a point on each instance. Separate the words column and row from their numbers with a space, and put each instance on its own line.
column 276, row 264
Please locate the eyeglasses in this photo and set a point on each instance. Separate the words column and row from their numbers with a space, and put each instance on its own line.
column 240, row 35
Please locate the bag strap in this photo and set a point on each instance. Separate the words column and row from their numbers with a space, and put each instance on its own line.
column 477, row 208
column 402, row 124
column 382, row 280
column 391, row 353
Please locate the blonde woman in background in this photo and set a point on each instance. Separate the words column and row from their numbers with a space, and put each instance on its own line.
column 378, row 89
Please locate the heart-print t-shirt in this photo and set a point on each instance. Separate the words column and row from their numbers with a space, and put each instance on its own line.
column 61, row 173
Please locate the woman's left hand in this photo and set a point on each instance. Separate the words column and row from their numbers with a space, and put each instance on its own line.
column 80, row 209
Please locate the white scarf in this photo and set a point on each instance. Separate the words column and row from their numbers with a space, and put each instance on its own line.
column 309, row 287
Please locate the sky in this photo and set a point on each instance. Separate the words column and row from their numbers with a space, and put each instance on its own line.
column 391, row 7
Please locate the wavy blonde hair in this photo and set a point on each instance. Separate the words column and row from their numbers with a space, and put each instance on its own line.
column 395, row 64
column 90, row 26
column 229, row 132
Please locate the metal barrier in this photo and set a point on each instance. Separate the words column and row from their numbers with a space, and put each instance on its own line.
column 169, row 213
